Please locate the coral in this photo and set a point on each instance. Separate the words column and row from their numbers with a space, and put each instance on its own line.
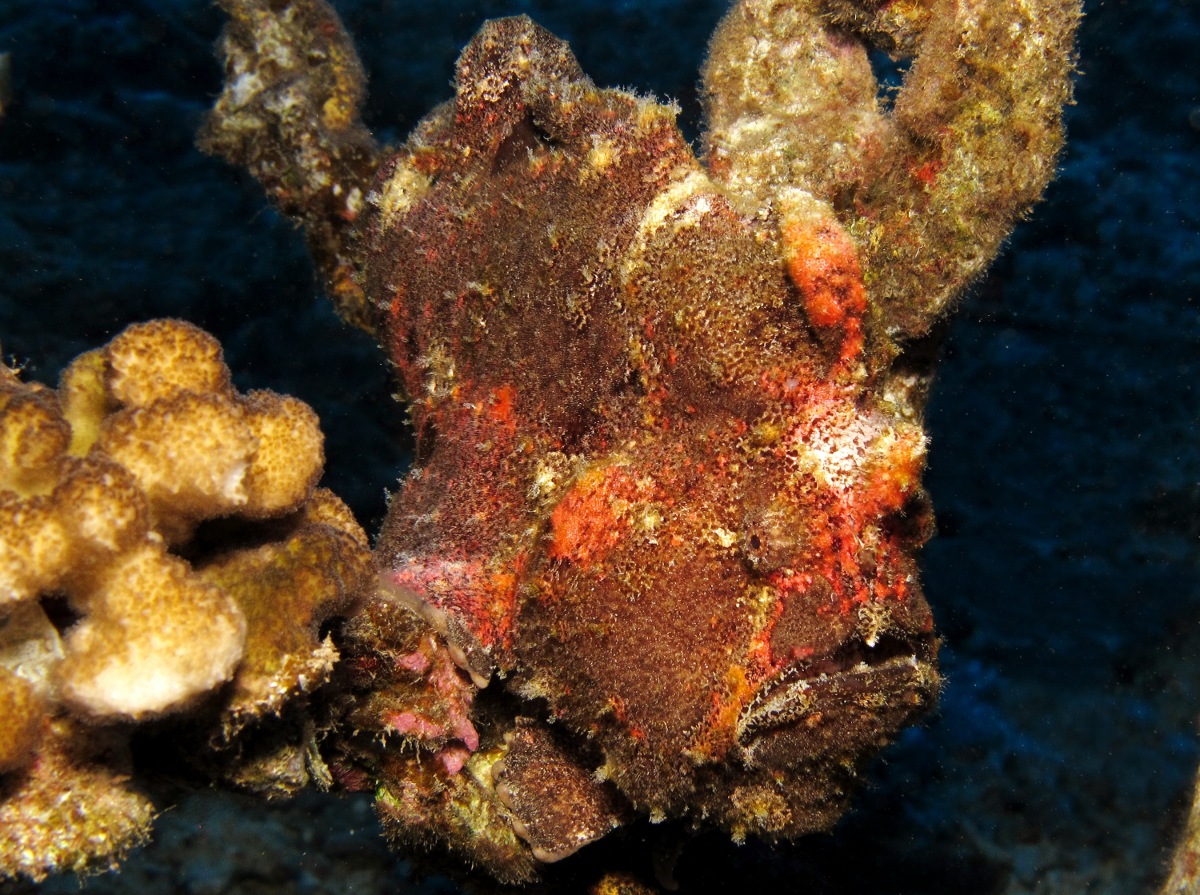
column 318, row 561
column 74, row 808
column 102, row 484
column 22, row 709
column 1184, row 876
column 667, row 498
column 929, row 188
column 150, row 440
column 294, row 81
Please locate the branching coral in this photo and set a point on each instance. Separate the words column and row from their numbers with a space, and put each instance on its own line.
column 929, row 184
column 102, row 485
column 1184, row 876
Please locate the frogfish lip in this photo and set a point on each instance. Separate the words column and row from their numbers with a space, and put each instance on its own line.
column 841, row 705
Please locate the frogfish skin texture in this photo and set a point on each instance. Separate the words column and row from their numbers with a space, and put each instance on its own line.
column 656, row 555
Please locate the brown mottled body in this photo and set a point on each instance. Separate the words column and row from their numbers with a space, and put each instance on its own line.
column 667, row 495
column 620, row 500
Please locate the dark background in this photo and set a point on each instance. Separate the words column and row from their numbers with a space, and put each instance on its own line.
column 1065, row 462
